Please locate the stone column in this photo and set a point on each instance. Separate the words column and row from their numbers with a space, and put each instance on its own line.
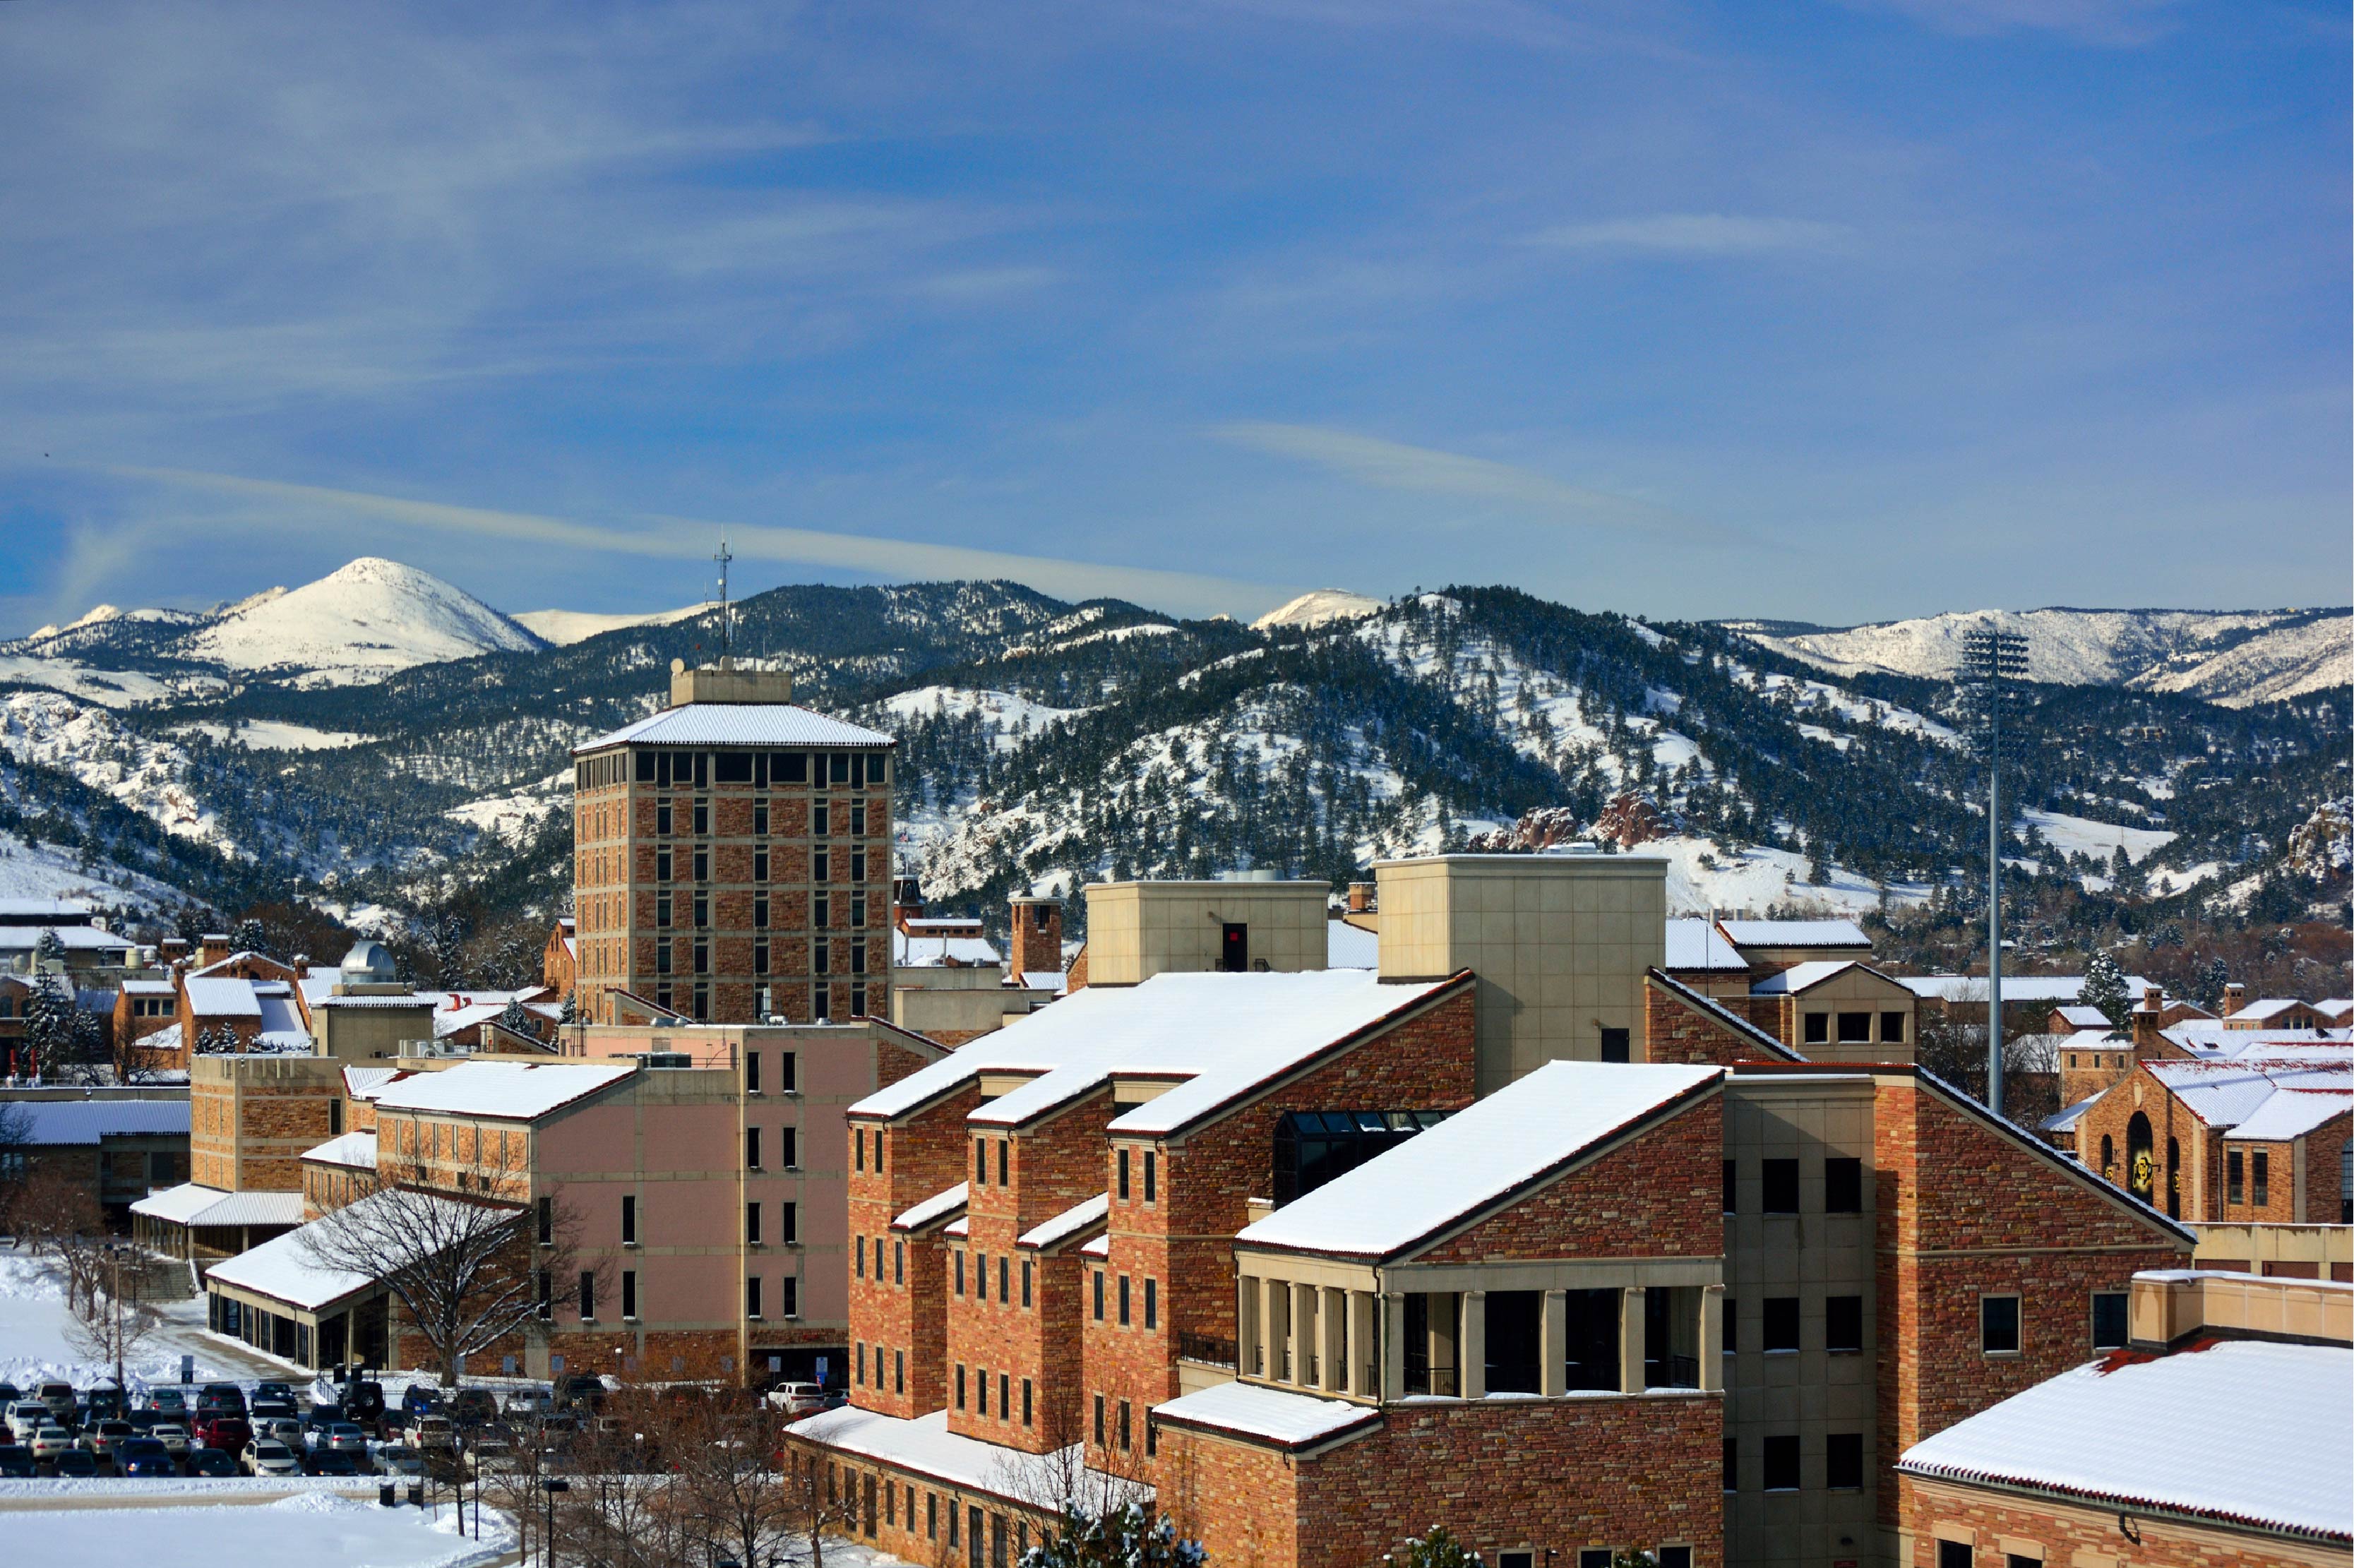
column 1274, row 1328
column 1631, row 1341
column 1472, row 1346
column 1552, row 1344
column 1712, row 1339
column 1393, row 1309
column 1332, row 1316
column 1302, row 1306
column 1247, row 1337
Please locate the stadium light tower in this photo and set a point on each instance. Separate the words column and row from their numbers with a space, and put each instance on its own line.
column 1991, row 656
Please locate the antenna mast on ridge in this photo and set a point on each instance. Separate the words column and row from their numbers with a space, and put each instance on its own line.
column 726, row 613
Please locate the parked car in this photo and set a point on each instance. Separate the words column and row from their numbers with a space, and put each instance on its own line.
column 48, row 1442
column 529, row 1403
column 104, row 1436
column 171, row 1403
column 76, row 1465
column 282, row 1429
column 59, row 1398
column 341, row 1437
column 27, row 1416
column 431, row 1432
column 473, row 1407
column 15, row 1462
column 490, row 1456
column 211, row 1462
column 400, row 1461
column 272, row 1389
column 364, row 1400
column 269, row 1456
column 144, row 1457
column 145, row 1421
column 104, row 1402
column 419, row 1399
column 329, row 1462
column 220, row 1396
column 172, row 1435
column 9, row 1393
column 581, row 1388
column 229, row 1433
column 274, row 1409
column 794, row 1400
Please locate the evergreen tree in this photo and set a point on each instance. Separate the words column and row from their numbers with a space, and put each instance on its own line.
column 1123, row 1537
column 1439, row 1549
column 2208, row 990
column 519, row 1019
column 2105, row 988
column 249, row 937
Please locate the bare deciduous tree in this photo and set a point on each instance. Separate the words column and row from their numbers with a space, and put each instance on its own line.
column 106, row 1321
column 468, row 1271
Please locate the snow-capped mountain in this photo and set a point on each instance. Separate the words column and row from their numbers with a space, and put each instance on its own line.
column 2230, row 657
column 1317, row 607
column 563, row 628
column 360, row 622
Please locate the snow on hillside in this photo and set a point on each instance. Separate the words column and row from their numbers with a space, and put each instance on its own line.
column 563, row 628
column 111, row 688
column 274, row 735
column 144, row 773
column 514, row 815
column 1701, row 878
column 2235, row 657
column 1317, row 607
column 49, row 871
column 1014, row 718
column 361, row 622
column 2082, row 835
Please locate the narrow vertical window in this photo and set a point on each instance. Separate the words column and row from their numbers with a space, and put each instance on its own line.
column 1148, row 1162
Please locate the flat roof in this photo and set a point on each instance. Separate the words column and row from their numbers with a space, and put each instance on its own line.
column 87, row 1122
column 513, row 1090
column 1270, row 1415
column 739, row 724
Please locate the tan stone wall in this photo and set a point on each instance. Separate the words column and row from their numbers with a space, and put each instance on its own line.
column 1999, row 1526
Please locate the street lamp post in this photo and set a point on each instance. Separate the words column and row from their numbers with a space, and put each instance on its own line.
column 551, row 1485
column 1990, row 656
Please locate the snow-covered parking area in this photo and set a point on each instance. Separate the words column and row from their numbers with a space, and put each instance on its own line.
column 311, row 1530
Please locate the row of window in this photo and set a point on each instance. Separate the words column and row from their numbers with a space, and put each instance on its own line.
column 698, row 908
column 2236, row 1174
column 1128, row 1294
column 1851, row 1028
column 1782, row 1466
column 1779, row 1335
column 789, row 1156
column 701, row 770
column 697, row 999
column 788, row 1296
column 1006, row 1388
column 824, row 820
column 1007, row 1541
column 823, row 862
column 822, row 953
column 1777, row 1184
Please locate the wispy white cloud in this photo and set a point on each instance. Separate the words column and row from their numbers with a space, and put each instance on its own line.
column 2115, row 24
column 1697, row 234
column 1396, row 465
column 302, row 507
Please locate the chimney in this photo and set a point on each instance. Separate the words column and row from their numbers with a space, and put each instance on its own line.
column 2235, row 997
column 2144, row 1022
column 1360, row 899
column 212, row 947
column 173, row 949
column 1036, row 944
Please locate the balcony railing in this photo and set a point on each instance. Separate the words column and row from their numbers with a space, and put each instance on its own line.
column 1205, row 1348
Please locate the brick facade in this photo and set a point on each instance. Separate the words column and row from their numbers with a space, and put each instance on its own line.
column 2001, row 1527
column 2186, row 1154
column 1677, row 1030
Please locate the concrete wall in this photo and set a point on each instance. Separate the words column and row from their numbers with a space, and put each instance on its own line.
column 1139, row 929
column 1855, row 990
column 1559, row 942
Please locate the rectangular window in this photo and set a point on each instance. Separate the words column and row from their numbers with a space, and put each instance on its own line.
column 898, row 1371
column 1121, row 1160
column 546, row 1293
column 2234, row 1181
column 1855, row 1029
column 858, row 911
column 1817, row 1028
column 788, row 1223
column 751, row 1072
column 702, row 910
column 1892, row 1029
column 1781, row 1327
column 629, row 1220
column 1616, row 1044
column 857, row 865
column 1100, row 1295
column 759, row 865
column 1781, row 1186
column 981, row 1276
column 1026, row 1401
column 1124, row 1429
column 1003, row 1277
column 629, row 1293
column 1955, row 1554
column 751, row 1148
column 1005, row 1165
column 981, row 1390
column 1732, row 1465
column 819, row 866
column 787, row 1082
column 858, row 1255
column 1843, row 1322
column 1842, row 1185
column 898, row 1262
column 959, row 1273
column 1843, row 1461
column 1781, row 1468
column 1732, row 1320
column 2260, row 1178
column 1152, row 1303
column 960, row 1385
column 1004, row 1397
column 789, row 1148
column 821, row 817
column 821, row 910
column 1123, row 1301
column 788, row 1294
column 546, row 1210
column 1732, row 1186
column 980, row 1163
column 661, row 865
column 2108, row 1319
column 1998, row 1325
column 858, row 1149
column 1150, row 1160
column 587, row 1295
column 1100, row 1421
column 760, row 813
column 752, row 1224
column 858, row 820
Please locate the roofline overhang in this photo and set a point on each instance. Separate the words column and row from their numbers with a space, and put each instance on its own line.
column 2120, row 1503
column 1305, row 1448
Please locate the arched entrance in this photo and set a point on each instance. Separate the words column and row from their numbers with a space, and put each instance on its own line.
column 2141, row 1166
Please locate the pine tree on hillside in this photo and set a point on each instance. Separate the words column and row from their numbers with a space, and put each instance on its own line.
column 249, row 937
column 2105, row 988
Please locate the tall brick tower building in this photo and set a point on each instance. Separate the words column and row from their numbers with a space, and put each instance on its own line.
column 732, row 859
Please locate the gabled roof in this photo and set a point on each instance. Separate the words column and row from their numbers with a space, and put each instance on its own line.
column 2048, row 989
column 926, row 950
column 1699, row 945
column 189, row 1205
column 2267, row 1007
column 1224, row 1034
column 1770, row 1047
column 226, row 996
column 2066, row 1120
column 1075, row 1220
column 520, row 1091
column 2275, row 1428
column 72, row 939
column 149, row 987
column 940, row 1205
column 1794, row 934
column 357, row 1150
column 1802, row 976
column 2292, row 1113
column 2225, row 1094
column 1481, row 1157
column 2080, row 1016
column 284, row 1269
column 739, row 724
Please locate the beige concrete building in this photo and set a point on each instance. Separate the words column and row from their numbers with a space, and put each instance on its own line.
column 1139, row 929
column 1559, row 942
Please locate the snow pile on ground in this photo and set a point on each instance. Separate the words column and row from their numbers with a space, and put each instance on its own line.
column 36, row 1345
column 305, row 1531
column 360, row 622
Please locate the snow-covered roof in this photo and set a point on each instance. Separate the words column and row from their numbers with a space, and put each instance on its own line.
column 72, row 939
column 2292, row 1113
column 2339, row 1007
column 1269, row 1414
column 517, row 1090
column 1699, row 945
column 919, row 952
column 19, row 911
column 2079, row 1016
column 2066, row 1120
column 190, row 1204
column 1225, row 1033
column 1100, row 1247
column 943, row 922
column 739, row 724
column 1077, row 1220
column 1348, row 947
column 2049, row 989
column 222, row 997
column 2225, row 1094
column 2267, row 1007
column 939, row 1205
column 366, row 1083
column 357, row 1150
column 926, row 1445
column 1801, row 977
column 284, row 1269
column 87, row 1122
column 2274, row 1426
column 1478, row 1157
column 243, row 955
column 1795, row 933
column 149, row 987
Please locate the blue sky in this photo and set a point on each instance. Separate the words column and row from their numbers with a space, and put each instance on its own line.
column 1833, row 311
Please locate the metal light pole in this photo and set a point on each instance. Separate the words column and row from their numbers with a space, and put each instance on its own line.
column 1990, row 656
column 551, row 1486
